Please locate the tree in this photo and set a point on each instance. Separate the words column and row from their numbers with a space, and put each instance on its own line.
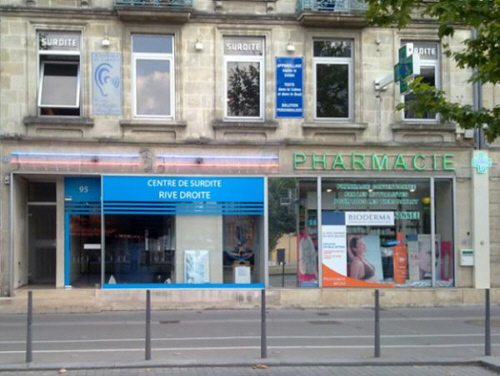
column 281, row 219
column 244, row 89
column 481, row 54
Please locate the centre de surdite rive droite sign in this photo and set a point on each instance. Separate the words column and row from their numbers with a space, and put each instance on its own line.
column 182, row 189
column 374, row 162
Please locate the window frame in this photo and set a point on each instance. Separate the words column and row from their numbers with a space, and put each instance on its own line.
column 324, row 60
column 262, row 86
column 62, row 53
column 149, row 56
column 41, row 80
column 426, row 63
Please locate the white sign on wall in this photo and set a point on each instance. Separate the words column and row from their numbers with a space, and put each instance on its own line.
column 369, row 218
column 335, row 248
column 196, row 266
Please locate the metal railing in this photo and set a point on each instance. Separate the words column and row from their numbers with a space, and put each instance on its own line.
column 155, row 3
column 331, row 5
column 263, row 322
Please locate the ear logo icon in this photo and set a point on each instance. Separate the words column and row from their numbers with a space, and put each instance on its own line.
column 102, row 77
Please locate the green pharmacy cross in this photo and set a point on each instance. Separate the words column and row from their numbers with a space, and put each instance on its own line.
column 407, row 67
column 405, row 70
column 481, row 162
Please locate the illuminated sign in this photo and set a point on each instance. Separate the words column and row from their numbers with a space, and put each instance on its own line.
column 481, row 162
column 373, row 162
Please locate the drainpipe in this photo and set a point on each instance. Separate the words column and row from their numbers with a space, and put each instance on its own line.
column 477, row 91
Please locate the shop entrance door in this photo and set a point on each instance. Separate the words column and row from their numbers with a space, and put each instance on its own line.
column 42, row 243
column 84, row 250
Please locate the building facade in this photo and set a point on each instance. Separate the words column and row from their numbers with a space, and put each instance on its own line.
column 232, row 145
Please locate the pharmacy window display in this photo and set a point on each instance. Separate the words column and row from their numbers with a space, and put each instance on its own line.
column 379, row 233
column 293, row 232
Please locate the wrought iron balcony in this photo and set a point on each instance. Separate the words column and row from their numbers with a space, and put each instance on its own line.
column 331, row 5
column 172, row 10
column 334, row 12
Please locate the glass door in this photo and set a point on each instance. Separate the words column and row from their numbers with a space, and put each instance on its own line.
column 42, row 244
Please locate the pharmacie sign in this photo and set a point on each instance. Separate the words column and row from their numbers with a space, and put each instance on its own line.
column 373, row 162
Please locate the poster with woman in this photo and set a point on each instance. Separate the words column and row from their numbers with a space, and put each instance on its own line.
column 364, row 260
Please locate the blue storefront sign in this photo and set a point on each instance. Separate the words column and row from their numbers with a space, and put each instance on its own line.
column 82, row 189
column 106, row 80
column 182, row 189
column 289, row 87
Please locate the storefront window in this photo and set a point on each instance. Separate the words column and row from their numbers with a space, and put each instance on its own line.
column 378, row 232
column 242, row 245
column 293, row 232
column 85, row 250
column 139, row 249
column 183, row 231
column 444, row 232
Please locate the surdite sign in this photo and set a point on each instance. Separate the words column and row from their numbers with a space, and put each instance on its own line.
column 58, row 41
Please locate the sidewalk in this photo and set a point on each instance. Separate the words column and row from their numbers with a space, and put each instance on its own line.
column 269, row 367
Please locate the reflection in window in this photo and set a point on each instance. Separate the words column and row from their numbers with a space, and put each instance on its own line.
column 243, row 81
column 333, row 79
column 399, row 252
column 243, row 89
column 85, row 250
column 293, row 232
column 153, row 68
column 139, row 249
column 242, row 244
column 429, row 71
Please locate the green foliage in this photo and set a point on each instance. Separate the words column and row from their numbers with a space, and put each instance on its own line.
column 244, row 90
column 481, row 54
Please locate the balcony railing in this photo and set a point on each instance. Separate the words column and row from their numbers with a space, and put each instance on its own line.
column 331, row 5
column 172, row 4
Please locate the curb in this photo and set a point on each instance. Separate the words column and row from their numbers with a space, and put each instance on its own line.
column 492, row 365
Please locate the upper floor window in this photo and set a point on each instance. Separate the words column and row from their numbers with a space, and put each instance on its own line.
column 429, row 71
column 153, row 75
column 333, row 79
column 59, row 81
column 244, row 78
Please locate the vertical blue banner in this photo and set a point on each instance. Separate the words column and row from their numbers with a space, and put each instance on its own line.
column 289, row 87
column 107, row 83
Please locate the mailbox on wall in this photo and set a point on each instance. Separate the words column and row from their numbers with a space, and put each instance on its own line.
column 466, row 257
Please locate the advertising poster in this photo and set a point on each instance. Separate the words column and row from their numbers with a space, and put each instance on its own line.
column 425, row 256
column 350, row 260
column 446, row 261
column 334, row 236
column 400, row 260
column 413, row 261
column 196, row 266
column 307, row 266
column 289, row 87
column 365, row 258
column 107, row 83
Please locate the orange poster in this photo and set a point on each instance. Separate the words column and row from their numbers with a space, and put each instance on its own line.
column 400, row 259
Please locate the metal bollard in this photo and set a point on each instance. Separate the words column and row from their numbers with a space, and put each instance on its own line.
column 487, row 325
column 29, row 337
column 148, row 325
column 377, row 325
column 283, row 275
column 263, row 336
